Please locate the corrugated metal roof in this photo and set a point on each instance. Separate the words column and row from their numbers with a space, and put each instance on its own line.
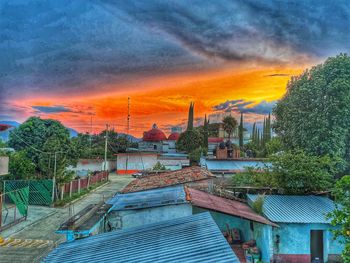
column 194, row 238
column 151, row 198
column 231, row 165
column 296, row 208
column 227, row 206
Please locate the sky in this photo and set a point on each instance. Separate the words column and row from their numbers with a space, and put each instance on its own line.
column 79, row 61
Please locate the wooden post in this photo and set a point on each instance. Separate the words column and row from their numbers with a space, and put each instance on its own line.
column 70, row 188
column 79, row 186
column 88, row 181
column 0, row 209
column 62, row 191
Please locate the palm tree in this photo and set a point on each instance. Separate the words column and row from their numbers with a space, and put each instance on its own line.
column 230, row 124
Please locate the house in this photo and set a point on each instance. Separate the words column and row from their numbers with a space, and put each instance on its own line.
column 135, row 162
column 192, row 176
column 151, row 206
column 305, row 233
column 236, row 215
column 155, row 140
column 194, row 238
column 156, row 205
column 232, row 166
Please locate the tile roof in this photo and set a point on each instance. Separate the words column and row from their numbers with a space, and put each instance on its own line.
column 152, row 198
column 231, row 165
column 227, row 206
column 296, row 208
column 194, row 238
column 186, row 175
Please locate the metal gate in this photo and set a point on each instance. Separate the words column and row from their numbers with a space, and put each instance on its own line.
column 40, row 191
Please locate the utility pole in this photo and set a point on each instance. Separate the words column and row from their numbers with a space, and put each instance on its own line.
column 54, row 178
column 127, row 135
column 90, row 136
column 106, row 142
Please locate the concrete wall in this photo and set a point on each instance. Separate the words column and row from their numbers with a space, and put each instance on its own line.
column 4, row 165
column 264, row 240
column 138, row 217
column 295, row 242
column 93, row 165
column 234, row 222
column 135, row 162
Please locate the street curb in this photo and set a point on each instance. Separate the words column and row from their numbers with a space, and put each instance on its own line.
column 33, row 223
column 81, row 197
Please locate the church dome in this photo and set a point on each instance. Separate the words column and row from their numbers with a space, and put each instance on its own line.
column 174, row 136
column 154, row 135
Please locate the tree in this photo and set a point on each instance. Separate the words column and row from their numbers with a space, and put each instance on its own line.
column 230, row 124
column 196, row 154
column 341, row 215
column 40, row 138
column 189, row 141
column 205, row 132
column 241, row 132
column 190, row 117
column 295, row 173
column 314, row 113
column 275, row 145
column 20, row 166
column 159, row 167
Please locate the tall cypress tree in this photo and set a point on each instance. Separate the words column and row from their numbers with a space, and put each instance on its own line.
column 206, row 131
column 253, row 133
column 263, row 134
column 240, row 132
column 190, row 117
column 269, row 128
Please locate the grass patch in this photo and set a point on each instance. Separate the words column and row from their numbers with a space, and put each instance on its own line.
column 76, row 195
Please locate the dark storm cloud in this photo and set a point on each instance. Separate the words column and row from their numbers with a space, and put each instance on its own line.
column 243, row 106
column 74, row 46
column 51, row 109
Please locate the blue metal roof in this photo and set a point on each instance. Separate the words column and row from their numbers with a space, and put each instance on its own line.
column 296, row 208
column 231, row 165
column 151, row 198
column 194, row 238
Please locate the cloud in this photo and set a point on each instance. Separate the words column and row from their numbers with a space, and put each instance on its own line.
column 74, row 46
column 278, row 75
column 51, row 109
column 243, row 106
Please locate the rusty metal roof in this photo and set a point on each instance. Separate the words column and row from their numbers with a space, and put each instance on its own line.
column 194, row 238
column 186, row 175
column 223, row 205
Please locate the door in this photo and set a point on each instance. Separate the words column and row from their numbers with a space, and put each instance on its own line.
column 316, row 244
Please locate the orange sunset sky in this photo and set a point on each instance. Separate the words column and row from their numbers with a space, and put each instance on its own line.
column 79, row 61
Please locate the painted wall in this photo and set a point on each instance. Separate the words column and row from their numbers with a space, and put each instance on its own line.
column 93, row 165
column 136, row 162
column 264, row 240
column 234, row 222
column 295, row 240
column 138, row 217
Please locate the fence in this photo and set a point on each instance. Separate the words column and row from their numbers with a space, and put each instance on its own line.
column 40, row 191
column 13, row 207
column 76, row 186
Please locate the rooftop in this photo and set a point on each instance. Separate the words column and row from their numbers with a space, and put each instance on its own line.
column 194, row 238
column 186, row 175
column 223, row 205
column 231, row 165
column 152, row 198
column 296, row 208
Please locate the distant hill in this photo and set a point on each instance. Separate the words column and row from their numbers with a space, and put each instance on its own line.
column 72, row 132
column 4, row 135
column 130, row 137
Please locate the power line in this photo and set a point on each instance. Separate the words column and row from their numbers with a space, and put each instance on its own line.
column 35, row 149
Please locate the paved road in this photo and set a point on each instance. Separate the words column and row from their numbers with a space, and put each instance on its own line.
column 45, row 228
